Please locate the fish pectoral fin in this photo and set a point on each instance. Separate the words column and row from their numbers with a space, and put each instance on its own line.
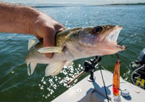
column 31, row 43
column 31, row 67
column 50, row 49
column 54, row 68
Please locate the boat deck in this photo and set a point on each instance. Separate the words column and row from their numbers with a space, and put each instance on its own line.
column 84, row 90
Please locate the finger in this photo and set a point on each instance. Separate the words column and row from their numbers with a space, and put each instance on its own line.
column 62, row 27
column 59, row 27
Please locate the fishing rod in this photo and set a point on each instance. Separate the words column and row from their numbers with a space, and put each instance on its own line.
column 104, row 84
column 118, row 56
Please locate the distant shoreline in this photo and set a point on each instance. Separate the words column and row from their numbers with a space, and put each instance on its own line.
column 71, row 5
column 128, row 4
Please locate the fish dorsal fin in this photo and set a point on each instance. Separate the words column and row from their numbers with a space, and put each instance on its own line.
column 50, row 49
column 31, row 67
column 31, row 43
column 54, row 68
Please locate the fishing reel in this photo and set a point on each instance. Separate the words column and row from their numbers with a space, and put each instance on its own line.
column 89, row 66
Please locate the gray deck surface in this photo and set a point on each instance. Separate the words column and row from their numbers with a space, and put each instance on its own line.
column 82, row 91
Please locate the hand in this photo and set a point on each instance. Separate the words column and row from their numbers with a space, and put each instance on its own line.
column 45, row 28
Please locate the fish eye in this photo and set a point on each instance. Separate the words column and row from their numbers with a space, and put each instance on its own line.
column 97, row 29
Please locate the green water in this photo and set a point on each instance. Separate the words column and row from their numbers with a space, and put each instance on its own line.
column 16, row 85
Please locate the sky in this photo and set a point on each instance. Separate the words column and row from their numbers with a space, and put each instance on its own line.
column 89, row 2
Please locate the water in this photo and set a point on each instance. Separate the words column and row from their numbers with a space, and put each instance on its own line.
column 16, row 85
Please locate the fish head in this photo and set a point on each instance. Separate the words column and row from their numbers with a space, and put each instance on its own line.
column 101, row 40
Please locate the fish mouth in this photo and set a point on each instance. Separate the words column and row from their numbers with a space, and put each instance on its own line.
column 113, row 36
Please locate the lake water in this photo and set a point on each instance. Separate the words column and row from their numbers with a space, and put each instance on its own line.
column 16, row 85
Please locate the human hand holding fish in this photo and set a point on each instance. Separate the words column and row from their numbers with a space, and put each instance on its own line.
column 45, row 28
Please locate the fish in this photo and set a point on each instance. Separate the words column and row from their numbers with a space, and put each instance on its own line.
column 72, row 44
column 116, row 79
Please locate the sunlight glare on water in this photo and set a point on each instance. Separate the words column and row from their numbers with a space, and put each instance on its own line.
column 57, row 82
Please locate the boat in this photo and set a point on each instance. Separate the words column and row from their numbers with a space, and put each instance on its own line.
column 99, row 88
column 86, row 91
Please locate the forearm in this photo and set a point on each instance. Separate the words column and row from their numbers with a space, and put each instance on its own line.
column 17, row 18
